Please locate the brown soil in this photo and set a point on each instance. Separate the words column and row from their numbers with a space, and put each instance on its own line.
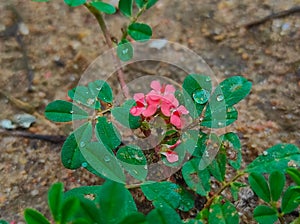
column 62, row 42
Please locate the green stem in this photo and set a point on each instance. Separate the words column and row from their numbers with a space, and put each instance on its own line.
column 224, row 186
column 134, row 19
column 109, row 42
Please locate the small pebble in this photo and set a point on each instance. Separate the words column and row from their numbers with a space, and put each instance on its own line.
column 35, row 192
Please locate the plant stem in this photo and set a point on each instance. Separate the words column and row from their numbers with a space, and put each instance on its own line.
column 110, row 44
column 224, row 186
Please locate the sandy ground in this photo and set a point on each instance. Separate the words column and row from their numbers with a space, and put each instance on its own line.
column 61, row 42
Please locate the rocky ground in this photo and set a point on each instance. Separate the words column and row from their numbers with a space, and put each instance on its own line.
column 61, row 42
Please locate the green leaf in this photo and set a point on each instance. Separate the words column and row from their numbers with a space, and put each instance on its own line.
column 74, row 3
column 276, row 182
column 167, row 194
column 288, row 203
column 3, row 222
column 164, row 215
column 103, row 161
column 125, row 7
column 294, row 173
column 123, row 116
column 101, row 90
column 134, row 161
column 71, row 156
column 141, row 3
column 217, row 167
column 219, row 117
column 89, row 211
column 116, row 202
column 84, row 192
column 139, row 31
column 55, row 195
column 104, row 7
column 107, row 133
column 234, row 189
column 69, row 209
column 264, row 214
column 260, row 186
column 223, row 213
column 196, row 91
column 125, row 50
column 63, row 111
column 34, row 217
column 232, row 145
column 277, row 157
column 83, row 96
column 234, row 89
column 134, row 218
column 197, row 180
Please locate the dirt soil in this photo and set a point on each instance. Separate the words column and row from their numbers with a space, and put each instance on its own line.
column 61, row 42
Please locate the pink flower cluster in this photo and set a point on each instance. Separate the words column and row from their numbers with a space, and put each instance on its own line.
column 162, row 98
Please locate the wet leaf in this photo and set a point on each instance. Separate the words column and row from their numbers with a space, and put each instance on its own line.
column 103, row 161
column 107, row 133
column 63, row 111
column 232, row 142
column 134, row 161
column 277, row 157
column 260, row 186
column 294, row 173
column 141, row 3
column 264, row 214
column 134, row 218
column 125, row 50
column 71, row 156
column 197, row 180
column 140, row 31
column 217, row 166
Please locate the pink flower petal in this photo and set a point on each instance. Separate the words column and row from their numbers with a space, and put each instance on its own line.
column 166, row 108
column 136, row 111
column 170, row 89
column 171, row 156
column 156, row 86
column 150, row 110
column 175, row 145
column 139, row 97
column 182, row 110
column 175, row 120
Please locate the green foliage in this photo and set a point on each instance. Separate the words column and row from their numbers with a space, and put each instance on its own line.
column 275, row 158
column 197, row 180
column 134, row 161
column 104, row 7
column 3, row 222
column 125, row 7
column 147, row 3
column 276, row 182
column 139, row 31
column 164, row 215
column 294, row 173
column 223, row 213
column 34, row 217
column 125, row 50
column 260, row 186
column 75, row 3
column 289, row 203
column 264, row 214
column 63, row 111
column 167, row 194
column 55, row 195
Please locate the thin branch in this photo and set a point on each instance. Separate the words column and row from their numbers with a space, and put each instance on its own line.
column 108, row 39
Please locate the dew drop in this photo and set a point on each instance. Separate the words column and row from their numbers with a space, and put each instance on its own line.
column 201, row 96
column 82, row 144
column 207, row 79
column 220, row 97
column 106, row 158
column 84, row 164
column 146, row 167
column 98, row 88
column 220, row 123
column 125, row 51
column 71, row 112
column 90, row 101
column 69, row 161
column 265, row 153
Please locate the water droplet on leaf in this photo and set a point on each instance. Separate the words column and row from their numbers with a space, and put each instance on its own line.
column 265, row 153
column 220, row 97
column 84, row 164
column 90, row 101
column 106, row 158
column 220, row 123
column 207, row 79
column 201, row 96
column 71, row 112
column 82, row 144
column 125, row 51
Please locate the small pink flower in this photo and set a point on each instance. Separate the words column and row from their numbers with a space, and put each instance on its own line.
column 171, row 156
column 140, row 104
column 176, row 119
